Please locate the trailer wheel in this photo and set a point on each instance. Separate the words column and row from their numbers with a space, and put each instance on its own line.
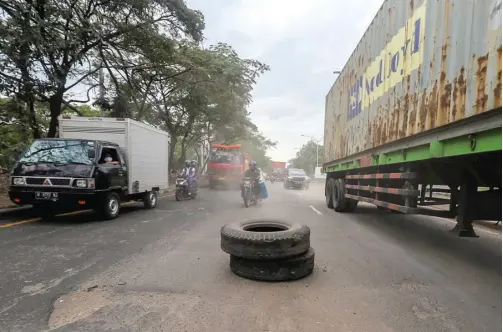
column 150, row 199
column 338, row 199
column 340, row 202
column 329, row 185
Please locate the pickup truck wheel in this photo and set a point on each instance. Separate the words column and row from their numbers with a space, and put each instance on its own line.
column 264, row 239
column 150, row 199
column 110, row 206
column 329, row 193
column 291, row 268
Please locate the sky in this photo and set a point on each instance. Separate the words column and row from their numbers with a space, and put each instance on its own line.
column 303, row 42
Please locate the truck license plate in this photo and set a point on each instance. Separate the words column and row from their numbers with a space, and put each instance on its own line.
column 42, row 195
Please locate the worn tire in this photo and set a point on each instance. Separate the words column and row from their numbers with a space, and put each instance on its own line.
column 338, row 198
column 291, row 268
column 105, row 209
column 271, row 239
column 329, row 193
column 150, row 199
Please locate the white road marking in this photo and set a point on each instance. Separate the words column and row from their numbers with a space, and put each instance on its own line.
column 314, row 209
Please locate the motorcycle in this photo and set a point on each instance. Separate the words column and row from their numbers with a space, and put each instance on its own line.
column 249, row 196
column 182, row 189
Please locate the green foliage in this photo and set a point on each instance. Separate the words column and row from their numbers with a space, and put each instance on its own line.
column 306, row 157
column 153, row 69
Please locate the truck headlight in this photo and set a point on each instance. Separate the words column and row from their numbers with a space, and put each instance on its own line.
column 18, row 181
column 81, row 183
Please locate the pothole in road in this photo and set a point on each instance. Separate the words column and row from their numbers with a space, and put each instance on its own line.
column 116, row 308
column 78, row 305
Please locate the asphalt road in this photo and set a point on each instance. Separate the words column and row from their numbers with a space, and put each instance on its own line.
column 163, row 270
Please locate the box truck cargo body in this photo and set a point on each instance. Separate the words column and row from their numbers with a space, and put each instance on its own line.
column 418, row 100
column 145, row 148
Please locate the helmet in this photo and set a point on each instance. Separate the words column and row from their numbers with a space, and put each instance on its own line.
column 253, row 163
column 193, row 163
column 187, row 163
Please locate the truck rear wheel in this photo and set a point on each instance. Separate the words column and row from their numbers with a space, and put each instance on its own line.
column 328, row 193
column 340, row 202
column 150, row 199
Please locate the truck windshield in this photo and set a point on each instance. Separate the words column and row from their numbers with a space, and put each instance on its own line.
column 225, row 157
column 60, row 151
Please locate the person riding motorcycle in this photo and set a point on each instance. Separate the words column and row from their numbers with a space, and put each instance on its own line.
column 189, row 172
column 253, row 172
column 193, row 173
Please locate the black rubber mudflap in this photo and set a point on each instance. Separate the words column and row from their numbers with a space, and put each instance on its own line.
column 274, row 270
column 265, row 239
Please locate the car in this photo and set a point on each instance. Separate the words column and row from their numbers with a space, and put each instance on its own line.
column 296, row 178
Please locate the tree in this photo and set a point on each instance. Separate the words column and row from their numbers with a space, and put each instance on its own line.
column 47, row 48
column 306, row 157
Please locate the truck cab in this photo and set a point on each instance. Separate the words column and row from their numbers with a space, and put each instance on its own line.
column 54, row 175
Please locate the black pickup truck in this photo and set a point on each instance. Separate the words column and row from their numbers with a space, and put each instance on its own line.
column 54, row 175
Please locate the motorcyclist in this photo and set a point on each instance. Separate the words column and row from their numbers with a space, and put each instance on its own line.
column 253, row 173
column 193, row 174
column 187, row 173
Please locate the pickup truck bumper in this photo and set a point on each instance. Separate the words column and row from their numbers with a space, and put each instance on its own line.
column 67, row 198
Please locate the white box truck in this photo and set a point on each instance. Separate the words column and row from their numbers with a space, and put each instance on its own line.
column 95, row 163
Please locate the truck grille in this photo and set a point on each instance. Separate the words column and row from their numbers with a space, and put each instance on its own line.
column 54, row 181
column 298, row 179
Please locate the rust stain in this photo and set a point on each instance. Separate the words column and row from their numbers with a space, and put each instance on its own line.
column 445, row 104
column 459, row 96
column 481, row 103
column 405, row 111
column 423, row 111
column 432, row 106
column 412, row 115
column 497, row 89
column 442, row 113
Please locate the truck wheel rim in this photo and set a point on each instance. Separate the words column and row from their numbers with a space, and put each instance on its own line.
column 152, row 199
column 113, row 205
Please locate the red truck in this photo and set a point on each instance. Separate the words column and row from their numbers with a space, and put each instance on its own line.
column 278, row 170
column 227, row 165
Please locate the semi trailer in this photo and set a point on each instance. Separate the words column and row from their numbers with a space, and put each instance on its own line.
column 416, row 110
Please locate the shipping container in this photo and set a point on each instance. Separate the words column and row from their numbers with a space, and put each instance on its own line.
column 422, row 87
column 420, row 65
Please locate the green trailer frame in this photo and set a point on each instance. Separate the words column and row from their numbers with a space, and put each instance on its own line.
column 389, row 176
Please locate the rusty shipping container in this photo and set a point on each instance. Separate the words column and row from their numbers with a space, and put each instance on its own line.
column 420, row 65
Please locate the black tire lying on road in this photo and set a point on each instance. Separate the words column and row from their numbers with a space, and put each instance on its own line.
column 264, row 239
column 291, row 268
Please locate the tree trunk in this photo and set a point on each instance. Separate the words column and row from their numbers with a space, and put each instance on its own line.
column 55, row 108
column 172, row 147
column 33, row 119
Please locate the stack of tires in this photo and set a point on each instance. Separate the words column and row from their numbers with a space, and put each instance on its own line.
column 271, row 250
